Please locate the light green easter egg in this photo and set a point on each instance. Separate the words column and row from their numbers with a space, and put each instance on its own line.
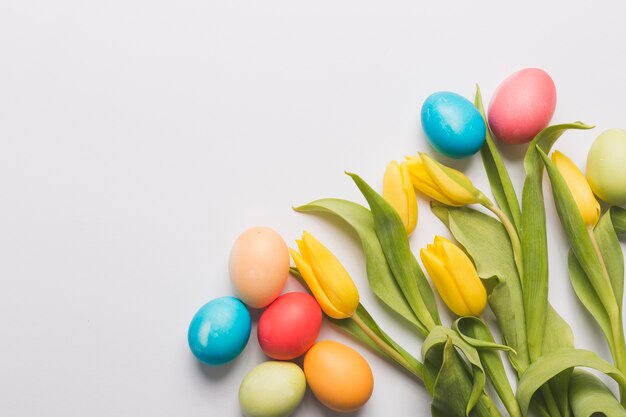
column 272, row 389
column 606, row 166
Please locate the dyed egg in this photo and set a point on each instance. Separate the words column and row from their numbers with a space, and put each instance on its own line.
column 453, row 125
column 259, row 266
column 606, row 166
column 289, row 326
column 338, row 376
column 272, row 389
column 522, row 106
column 219, row 331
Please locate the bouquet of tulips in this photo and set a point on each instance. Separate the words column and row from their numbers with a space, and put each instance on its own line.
column 499, row 259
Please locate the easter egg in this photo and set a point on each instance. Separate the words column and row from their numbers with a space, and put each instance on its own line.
column 259, row 266
column 453, row 125
column 219, row 331
column 338, row 375
column 289, row 326
column 272, row 389
column 606, row 166
column 522, row 106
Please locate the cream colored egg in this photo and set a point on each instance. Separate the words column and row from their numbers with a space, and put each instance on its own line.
column 259, row 266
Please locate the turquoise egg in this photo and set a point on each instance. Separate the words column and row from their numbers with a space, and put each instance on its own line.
column 453, row 125
column 219, row 331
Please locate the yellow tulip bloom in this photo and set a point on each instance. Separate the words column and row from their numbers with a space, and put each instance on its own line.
column 579, row 187
column 327, row 279
column 442, row 183
column 455, row 277
column 398, row 191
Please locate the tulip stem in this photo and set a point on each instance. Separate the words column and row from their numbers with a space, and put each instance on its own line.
column 516, row 244
column 389, row 350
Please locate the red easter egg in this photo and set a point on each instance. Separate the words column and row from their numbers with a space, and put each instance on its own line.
column 522, row 106
column 289, row 326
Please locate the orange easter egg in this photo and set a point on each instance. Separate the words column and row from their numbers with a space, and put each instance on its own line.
column 338, row 375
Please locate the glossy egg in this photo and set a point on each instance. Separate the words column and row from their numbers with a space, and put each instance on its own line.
column 219, row 331
column 259, row 266
column 338, row 376
column 289, row 326
column 453, row 125
column 272, row 389
column 606, row 166
column 522, row 106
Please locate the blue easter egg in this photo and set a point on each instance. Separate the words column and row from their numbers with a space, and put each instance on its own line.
column 219, row 331
column 453, row 125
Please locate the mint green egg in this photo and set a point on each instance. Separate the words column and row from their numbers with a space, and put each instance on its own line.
column 606, row 166
column 272, row 389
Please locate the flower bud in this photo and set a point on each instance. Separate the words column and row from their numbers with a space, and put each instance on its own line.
column 327, row 279
column 455, row 277
column 579, row 187
column 398, row 191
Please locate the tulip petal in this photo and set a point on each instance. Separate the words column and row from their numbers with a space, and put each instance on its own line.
column 332, row 276
column 455, row 185
column 463, row 271
column 579, row 187
column 444, row 282
column 398, row 191
column 423, row 182
column 316, row 289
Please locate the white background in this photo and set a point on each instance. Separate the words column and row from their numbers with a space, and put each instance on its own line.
column 139, row 138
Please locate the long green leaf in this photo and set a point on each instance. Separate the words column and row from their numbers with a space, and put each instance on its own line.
column 487, row 242
column 612, row 255
column 590, row 397
column 395, row 244
column 476, row 333
column 534, row 239
column 582, row 244
column 379, row 276
column 499, row 179
column 618, row 216
column 548, row 366
column 441, row 336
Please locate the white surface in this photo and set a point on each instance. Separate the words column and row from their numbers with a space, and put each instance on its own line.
column 139, row 138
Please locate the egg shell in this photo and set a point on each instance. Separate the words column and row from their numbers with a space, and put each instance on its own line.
column 259, row 266
column 522, row 106
column 272, row 389
column 338, row 375
column 219, row 331
column 453, row 125
column 606, row 166
column 289, row 326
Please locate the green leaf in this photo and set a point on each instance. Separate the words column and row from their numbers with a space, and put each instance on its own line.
column 453, row 393
column 578, row 234
column 379, row 276
column 476, row 333
column 395, row 244
column 587, row 295
column 499, row 179
column 486, row 241
column 612, row 255
column 534, row 239
column 590, row 397
column 618, row 216
column 548, row 366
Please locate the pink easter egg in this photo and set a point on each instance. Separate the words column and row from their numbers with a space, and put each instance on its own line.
column 522, row 106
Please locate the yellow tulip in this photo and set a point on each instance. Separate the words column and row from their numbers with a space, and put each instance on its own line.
column 442, row 183
column 455, row 277
column 398, row 191
column 327, row 279
column 579, row 187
